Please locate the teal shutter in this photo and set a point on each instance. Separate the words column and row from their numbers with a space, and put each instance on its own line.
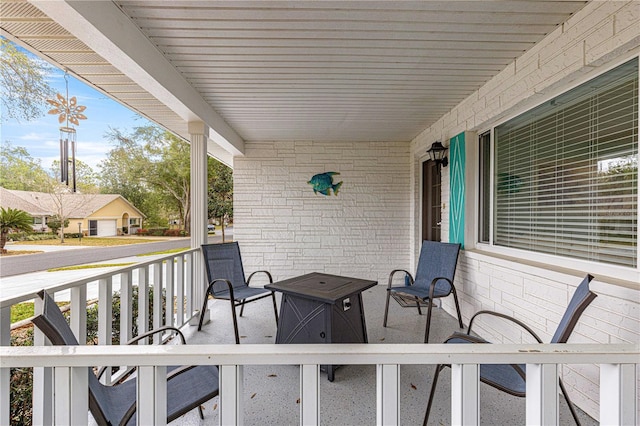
column 456, row 193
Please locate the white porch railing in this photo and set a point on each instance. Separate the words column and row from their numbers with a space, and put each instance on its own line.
column 170, row 278
column 70, row 402
column 64, row 368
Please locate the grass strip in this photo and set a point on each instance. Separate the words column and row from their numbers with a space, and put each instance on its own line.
column 93, row 266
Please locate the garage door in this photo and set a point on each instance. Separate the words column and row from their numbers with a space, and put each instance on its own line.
column 106, row 228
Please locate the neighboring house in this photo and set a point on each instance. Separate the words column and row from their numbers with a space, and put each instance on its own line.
column 94, row 214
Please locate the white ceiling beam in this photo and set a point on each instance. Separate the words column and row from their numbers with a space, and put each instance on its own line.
column 103, row 27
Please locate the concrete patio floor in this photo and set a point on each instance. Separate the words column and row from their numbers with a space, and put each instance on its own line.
column 272, row 392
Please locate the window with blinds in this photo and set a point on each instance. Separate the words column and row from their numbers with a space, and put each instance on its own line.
column 566, row 173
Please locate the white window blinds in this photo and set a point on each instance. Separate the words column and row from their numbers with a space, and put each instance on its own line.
column 566, row 173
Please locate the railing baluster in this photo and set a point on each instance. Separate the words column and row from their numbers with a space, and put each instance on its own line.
column 465, row 394
column 310, row 394
column 168, row 285
column 618, row 396
column 157, row 300
column 70, row 395
column 78, row 321
column 188, row 279
column 180, row 302
column 231, row 389
column 388, row 394
column 105, row 318
column 126, row 306
column 5, row 340
column 42, row 379
column 542, row 394
column 143, row 302
column 152, row 395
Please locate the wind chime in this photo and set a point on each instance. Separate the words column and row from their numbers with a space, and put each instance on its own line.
column 68, row 110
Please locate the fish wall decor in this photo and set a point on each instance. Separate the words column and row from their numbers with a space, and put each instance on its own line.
column 323, row 183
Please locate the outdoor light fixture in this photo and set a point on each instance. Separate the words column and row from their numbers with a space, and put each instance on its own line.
column 437, row 153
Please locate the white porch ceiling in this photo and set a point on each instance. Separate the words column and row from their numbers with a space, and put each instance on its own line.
column 286, row 70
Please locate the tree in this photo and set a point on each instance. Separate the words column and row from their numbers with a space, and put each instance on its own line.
column 220, row 191
column 18, row 170
column 13, row 220
column 55, row 223
column 23, row 84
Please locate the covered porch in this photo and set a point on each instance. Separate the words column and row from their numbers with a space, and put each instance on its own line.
column 282, row 91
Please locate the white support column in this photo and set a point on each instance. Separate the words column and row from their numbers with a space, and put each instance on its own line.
column 79, row 313
column 542, row 394
column 465, row 394
column 71, row 395
column 387, row 394
column 310, row 395
column 42, row 379
column 152, row 395
column 618, row 396
column 198, row 132
column 231, row 389
column 5, row 340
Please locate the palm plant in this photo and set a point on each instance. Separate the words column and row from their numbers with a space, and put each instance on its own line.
column 13, row 220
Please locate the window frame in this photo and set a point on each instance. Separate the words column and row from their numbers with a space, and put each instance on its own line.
column 620, row 272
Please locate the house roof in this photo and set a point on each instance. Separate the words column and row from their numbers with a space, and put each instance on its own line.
column 43, row 203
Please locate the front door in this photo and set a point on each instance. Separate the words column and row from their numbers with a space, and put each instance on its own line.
column 431, row 212
column 93, row 227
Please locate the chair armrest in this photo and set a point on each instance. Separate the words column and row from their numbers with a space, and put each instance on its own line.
column 399, row 270
column 158, row 330
column 140, row 337
column 507, row 317
column 432, row 286
column 217, row 280
column 257, row 272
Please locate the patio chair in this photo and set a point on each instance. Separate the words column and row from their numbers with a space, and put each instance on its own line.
column 225, row 275
column 434, row 279
column 511, row 378
column 187, row 387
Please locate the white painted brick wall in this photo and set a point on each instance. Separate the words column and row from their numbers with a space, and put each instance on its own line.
column 604, row 32
column 283, row 226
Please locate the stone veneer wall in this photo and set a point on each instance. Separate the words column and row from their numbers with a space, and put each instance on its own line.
column 283, row 226
column 604, row 33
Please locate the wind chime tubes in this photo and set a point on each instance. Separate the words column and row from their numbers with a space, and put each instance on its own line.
column 69, row 110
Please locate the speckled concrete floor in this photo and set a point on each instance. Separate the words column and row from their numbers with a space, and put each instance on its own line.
column 271, row 392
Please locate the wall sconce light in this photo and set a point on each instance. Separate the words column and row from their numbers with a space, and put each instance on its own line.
column 437, row 153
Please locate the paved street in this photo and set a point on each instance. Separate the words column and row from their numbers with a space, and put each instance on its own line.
column 57, row 257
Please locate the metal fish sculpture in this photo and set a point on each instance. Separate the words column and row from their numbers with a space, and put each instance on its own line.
column 323, row 183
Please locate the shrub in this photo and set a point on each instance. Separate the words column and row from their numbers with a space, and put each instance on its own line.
column 142, row 231
column 73, row 235
column 157, row 232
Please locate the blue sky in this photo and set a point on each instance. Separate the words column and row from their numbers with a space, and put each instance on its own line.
column 41, row 137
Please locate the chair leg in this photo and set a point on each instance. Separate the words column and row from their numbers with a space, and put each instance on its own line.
column 569, row 403
column 201, row 412
column 386, row 309
column 455, row 298
column 242, row 307
column 203, row 310
column 275, row 307
column 235, row 321
column 426, row 332
column 418, row 306
column 439, row 368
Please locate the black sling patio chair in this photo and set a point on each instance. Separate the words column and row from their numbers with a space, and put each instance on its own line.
column 187, row 387
column 434, row 279
column 511, row 378
column 225, row 275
